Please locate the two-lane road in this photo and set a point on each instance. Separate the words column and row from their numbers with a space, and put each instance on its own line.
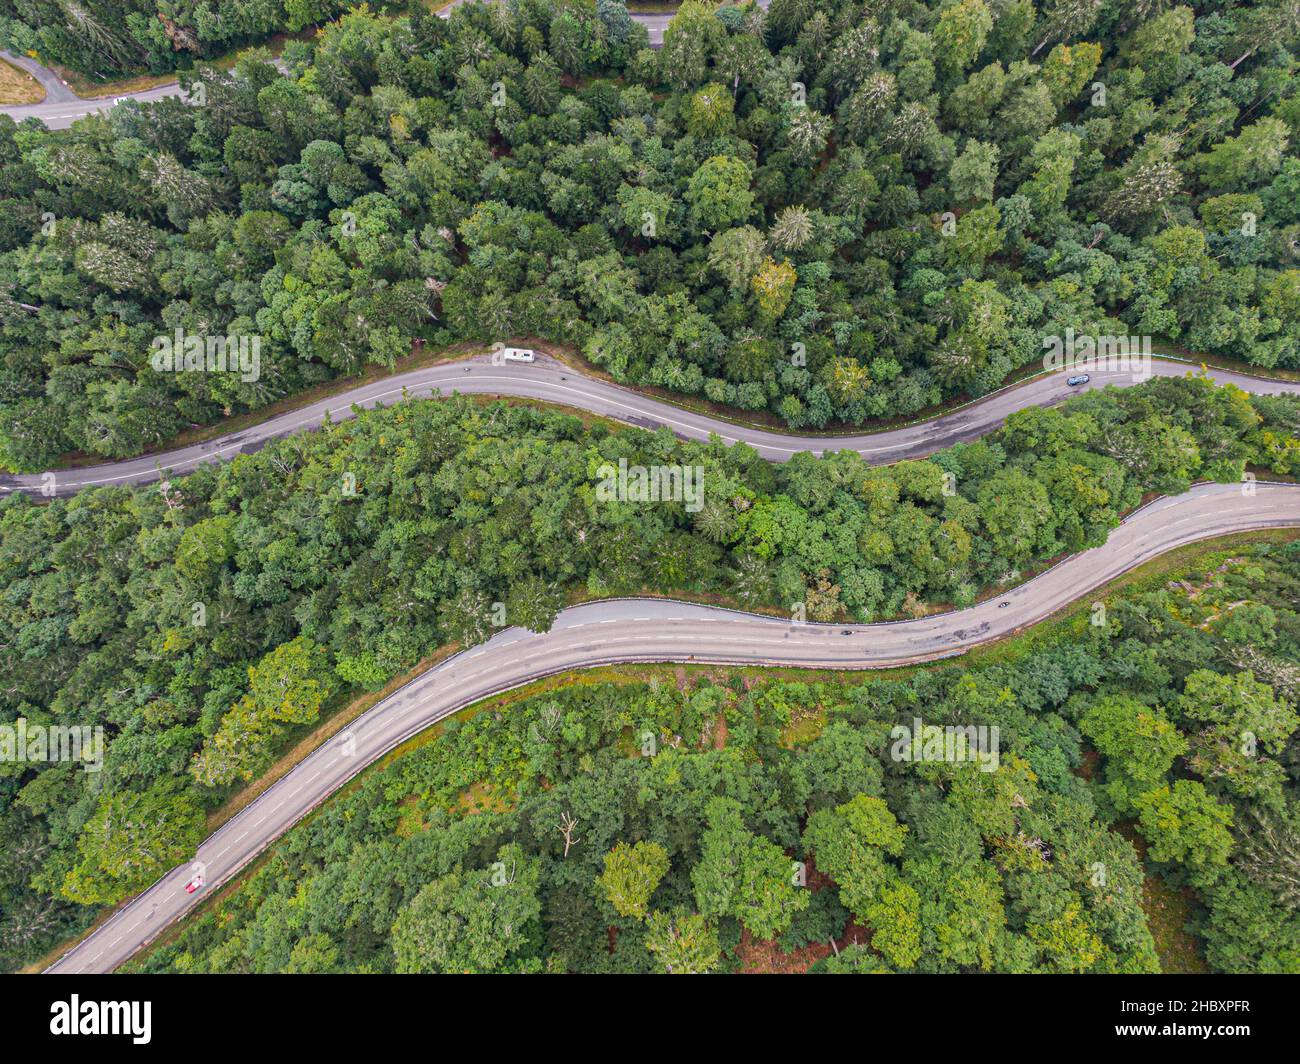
column 552, row 381
column 630, row 630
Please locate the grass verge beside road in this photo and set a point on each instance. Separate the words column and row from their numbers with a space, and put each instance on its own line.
column 18, row 87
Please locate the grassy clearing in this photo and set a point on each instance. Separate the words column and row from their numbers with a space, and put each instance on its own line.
column 1167, row 912
column 806, row 723
column 89, row 88
column 18, row 87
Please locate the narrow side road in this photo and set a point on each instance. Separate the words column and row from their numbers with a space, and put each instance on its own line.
column 631, row 630
column 55, row 90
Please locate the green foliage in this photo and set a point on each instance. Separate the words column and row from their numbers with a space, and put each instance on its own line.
column 288, row 686
column 851, row 843
column 130, row 840
column 134, row 36
column 208, row 623
column 631, row 875
column 538, row 170
column 1023, row 869
column 683, row 943
column 1140, row 744
column 683, row 217
column 1185, row 824
column 744, row 876
column 472, row 922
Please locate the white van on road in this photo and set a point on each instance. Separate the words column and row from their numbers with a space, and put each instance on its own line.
column 518, row 354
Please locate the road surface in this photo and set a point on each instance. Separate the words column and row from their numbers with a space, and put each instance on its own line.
column 552, row 381
column 631, row 630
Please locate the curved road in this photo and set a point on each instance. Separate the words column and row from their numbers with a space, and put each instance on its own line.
column 630, row 630
column 552, row 381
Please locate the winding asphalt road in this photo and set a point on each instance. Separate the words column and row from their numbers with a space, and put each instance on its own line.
column 641, row 630
column 632, row 630
column 552, row 381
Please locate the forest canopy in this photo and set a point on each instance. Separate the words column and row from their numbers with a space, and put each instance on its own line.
column 825, row 211
column 771, row 818
column 204, row 621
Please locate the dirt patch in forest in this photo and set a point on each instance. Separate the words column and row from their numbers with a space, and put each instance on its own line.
column 766, row 957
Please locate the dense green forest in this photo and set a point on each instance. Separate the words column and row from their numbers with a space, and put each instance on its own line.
column 201, row 620
column 828, row 210
column 547, row 835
